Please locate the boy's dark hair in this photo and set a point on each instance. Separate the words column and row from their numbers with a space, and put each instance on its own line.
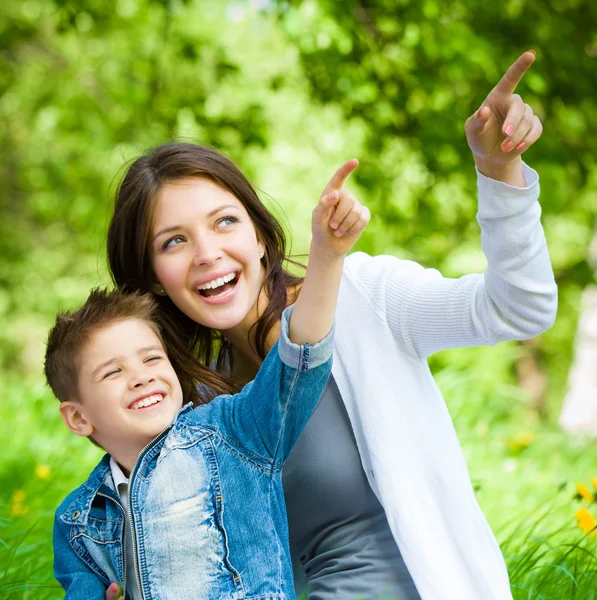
column 74, row 329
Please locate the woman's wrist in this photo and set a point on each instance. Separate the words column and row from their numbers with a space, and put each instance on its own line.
column 510, row 173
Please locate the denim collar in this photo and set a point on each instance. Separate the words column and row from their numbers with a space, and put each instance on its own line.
column 100, row 480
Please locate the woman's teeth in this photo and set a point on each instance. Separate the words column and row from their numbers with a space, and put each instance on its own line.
column 219, row 286
column 146, row 401
column 215, row 283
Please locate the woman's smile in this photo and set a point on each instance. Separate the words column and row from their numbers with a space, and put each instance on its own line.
column 219, row 289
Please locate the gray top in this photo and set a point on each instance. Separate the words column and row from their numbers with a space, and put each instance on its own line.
column 339, row 533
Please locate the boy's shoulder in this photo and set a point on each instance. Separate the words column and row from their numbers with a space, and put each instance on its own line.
column 196, row 417
column 77, row 503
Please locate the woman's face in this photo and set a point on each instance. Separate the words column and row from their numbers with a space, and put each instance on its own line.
column 206, row 255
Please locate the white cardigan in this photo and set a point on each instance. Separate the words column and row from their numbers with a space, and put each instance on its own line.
column 391, row 315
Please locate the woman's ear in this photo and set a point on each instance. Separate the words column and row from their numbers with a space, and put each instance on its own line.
column 72, row 415
column 261, row 249
column 158, row 288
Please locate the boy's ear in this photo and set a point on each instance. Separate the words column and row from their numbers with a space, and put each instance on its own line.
column 73, row 418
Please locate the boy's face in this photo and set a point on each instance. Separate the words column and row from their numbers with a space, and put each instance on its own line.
column 128, row 390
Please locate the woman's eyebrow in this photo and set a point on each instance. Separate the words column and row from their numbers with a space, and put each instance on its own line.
column 166, row 230
column 211, row 213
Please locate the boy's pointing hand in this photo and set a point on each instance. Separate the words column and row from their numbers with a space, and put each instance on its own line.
column 339, row 218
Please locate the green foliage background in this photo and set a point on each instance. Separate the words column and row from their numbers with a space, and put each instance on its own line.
column 289, row 90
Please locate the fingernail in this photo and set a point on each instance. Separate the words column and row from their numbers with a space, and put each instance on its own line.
column 533, row 52
column 507, row 146
column 480, row 111
column 509, row 129
column 337, row 233
column 521, row 146
column 113, row 587
column 333, row 224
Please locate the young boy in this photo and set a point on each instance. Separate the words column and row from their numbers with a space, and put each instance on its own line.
column 203, row 514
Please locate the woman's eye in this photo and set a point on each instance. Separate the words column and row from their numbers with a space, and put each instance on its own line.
column 173, row 241
column 227, row 221
column 152, row 358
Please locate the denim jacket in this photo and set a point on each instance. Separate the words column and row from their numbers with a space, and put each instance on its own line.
column 205, row 497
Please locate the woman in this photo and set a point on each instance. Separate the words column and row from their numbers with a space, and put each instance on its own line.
column 379, row 499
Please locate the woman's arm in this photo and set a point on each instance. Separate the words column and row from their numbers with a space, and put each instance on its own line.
column 516, row 297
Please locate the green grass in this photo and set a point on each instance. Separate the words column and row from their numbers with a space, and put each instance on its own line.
column 524, row 472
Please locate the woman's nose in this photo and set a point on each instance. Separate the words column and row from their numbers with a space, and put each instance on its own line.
column 206, row 253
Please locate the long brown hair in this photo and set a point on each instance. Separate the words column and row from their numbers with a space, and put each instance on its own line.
column 129, row 257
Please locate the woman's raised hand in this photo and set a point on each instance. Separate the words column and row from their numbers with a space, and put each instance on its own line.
column 339, row 218
column 504, row 126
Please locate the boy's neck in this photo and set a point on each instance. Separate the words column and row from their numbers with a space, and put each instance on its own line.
column 126, row 461
column 124, row 470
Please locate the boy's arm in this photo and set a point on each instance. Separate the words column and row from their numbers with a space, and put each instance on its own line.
column 77, row 579
column 337, row 223
column 270, row 413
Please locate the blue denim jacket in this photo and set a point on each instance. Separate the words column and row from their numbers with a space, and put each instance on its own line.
column 205, row 497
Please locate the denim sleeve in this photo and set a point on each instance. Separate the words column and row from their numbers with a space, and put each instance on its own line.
column 269, row 414
column 77, row 579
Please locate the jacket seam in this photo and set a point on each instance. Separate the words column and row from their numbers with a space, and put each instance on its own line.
column 257, row 461
column 83, row 556
column 296, row 375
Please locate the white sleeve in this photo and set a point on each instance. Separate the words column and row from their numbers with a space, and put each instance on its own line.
column 516, row 297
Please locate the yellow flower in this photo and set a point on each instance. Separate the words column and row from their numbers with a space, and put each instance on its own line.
column 586, row 521
column 18, row 510
column 43, row 471
column 594, row 482
column 521, row 440
column 584, row 492
column 18, row 496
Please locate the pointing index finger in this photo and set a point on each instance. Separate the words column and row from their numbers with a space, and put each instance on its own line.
column 340, row 176
column 507, row 84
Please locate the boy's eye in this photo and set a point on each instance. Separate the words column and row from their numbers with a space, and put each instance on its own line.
column 113, row 372
column 227, row 221
column 173, row 241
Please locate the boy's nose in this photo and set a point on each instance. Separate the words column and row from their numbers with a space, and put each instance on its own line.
column 141, row 379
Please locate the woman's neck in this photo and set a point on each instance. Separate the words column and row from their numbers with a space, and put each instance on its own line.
column 245, row 359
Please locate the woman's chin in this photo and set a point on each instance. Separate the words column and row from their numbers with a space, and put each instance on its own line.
column 226, row 319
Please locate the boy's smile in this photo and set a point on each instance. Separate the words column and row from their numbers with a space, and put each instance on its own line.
column 128, row 391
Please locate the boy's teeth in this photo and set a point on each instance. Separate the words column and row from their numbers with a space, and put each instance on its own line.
column 214, row 283
column 147, row 401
